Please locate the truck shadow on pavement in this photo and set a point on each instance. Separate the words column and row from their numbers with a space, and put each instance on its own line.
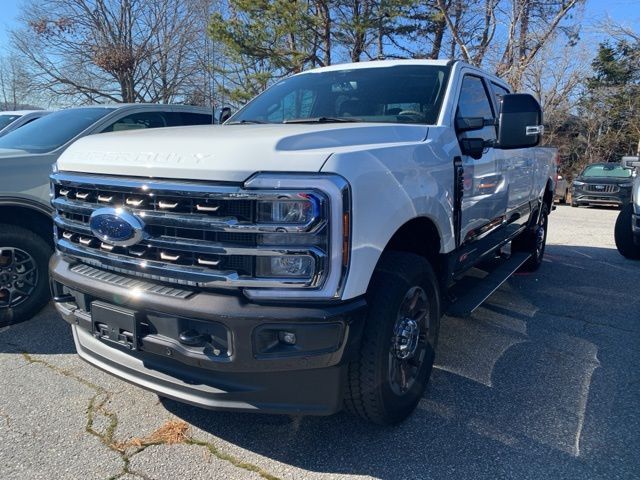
column 45, row 334
column 537, row 384
column 541, row 382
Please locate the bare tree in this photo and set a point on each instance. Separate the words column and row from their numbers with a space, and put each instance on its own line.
column 529, row 26
column 110, row 50
column 15, row 89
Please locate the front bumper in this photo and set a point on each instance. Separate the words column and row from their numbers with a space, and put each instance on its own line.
column 243, row 365
column 621, row 197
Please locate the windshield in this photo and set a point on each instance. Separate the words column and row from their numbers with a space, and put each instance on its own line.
column 400, row 94
column 7, row 119
column 612, row 170
column 53, row 130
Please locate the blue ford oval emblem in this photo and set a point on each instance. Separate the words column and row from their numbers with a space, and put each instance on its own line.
column 116, row 226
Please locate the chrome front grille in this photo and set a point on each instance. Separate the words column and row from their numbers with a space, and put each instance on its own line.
column 602, row 188
column 194, row 234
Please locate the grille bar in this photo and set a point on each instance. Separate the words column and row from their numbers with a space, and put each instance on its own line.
column 163, row 272
column 192, row 245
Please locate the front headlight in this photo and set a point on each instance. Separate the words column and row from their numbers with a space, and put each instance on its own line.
column 576, row 183
column 305, row 241
column 625, row 185
column 300, row 211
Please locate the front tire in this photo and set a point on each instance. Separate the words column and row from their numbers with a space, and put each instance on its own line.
column 388, row 378
column 534, row 241
column 624, row 234
column 24, row 279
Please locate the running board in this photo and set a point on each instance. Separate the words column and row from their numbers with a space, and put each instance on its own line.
column 475, row 288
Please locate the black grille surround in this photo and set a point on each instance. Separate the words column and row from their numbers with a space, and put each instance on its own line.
column 602, row 188
column 195, row 234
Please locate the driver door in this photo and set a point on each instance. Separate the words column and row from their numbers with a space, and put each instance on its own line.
column 485, row 190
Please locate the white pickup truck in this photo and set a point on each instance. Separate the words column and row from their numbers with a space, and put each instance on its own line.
column 298, row 258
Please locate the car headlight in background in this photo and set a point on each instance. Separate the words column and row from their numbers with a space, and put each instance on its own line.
column 576, row 183
column 625, row 185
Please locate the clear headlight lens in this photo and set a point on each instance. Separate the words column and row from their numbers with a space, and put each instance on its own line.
column 626, row 185
column 289, row 211
column 286, row 266
column 576, row 183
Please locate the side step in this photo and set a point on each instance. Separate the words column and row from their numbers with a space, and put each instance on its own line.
column 474, row 288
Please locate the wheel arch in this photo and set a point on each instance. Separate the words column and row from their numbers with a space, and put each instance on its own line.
column 32, row 216
column 420, row 236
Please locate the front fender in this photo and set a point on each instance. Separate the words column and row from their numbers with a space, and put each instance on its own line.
column 390, row 186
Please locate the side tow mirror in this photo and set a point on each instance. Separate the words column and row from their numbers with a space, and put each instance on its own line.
column 520, row 122
column 225, row 114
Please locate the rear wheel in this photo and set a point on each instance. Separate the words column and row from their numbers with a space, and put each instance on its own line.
column 24, row 285
column 534, row 241
column 624, row 234
column 388, row 378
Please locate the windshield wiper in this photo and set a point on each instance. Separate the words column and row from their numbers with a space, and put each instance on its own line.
column 243, row 122
column 322, row 120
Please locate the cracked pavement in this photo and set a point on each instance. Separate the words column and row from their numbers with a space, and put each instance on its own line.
column 542, row 382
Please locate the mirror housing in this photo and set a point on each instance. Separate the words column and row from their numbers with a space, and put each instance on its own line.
column 519, row 122
column 474, row 147
column 466, row 124
column 225, row 114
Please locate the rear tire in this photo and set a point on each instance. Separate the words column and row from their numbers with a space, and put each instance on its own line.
column 624, row 234
column 574, row 203
column 534, row 241
column 388, row 378
column 24, row 276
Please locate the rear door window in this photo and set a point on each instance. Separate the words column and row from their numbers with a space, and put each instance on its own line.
column 138, row 121
column 474, row 101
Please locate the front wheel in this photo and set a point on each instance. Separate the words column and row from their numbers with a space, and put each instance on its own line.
column 534, row 241
column 624, row 234
column 388, row 378
column 24, row 284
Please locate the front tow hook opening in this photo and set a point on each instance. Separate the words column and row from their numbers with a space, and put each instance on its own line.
column 64, row 298
column 193, row 338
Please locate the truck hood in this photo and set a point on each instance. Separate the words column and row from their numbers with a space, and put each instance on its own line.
column 228, row 152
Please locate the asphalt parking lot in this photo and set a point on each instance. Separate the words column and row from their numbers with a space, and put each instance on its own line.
column 542, row 382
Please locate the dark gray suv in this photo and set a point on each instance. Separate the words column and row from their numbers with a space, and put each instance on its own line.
column 602, row 184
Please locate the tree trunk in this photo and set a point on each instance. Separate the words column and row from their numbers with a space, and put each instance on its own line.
column 440, row 27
